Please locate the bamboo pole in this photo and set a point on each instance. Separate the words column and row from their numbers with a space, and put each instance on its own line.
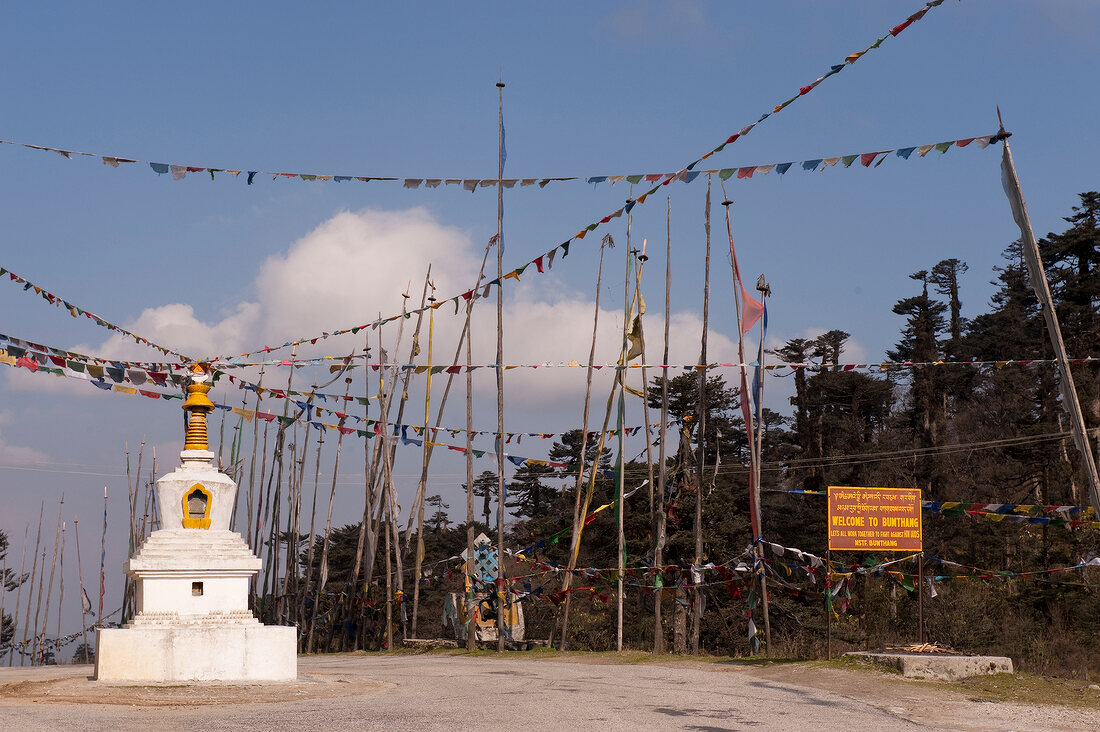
column 389, row 457
column 261, row 502
column 37, row 611
column 273, row 535
column 764, row 292
column 621, row 466
column 701, row 424
column 19, row 596
column 659, row 542
column 40, row 630
column 389, row 579
column 271, row 575
column 500, row 589
column 294, row 523
column 102, row 559
column 419, row 501
column 3, row 598
column 30, row 591
column 252, row 460
column 578, row 527
column 754, row 503
column 61, row 590
column 607, row 242
column 303, row 641
column 80, row 577
column 368, row 500
column 262, row 506
column 154, row 519
column 469, row 580
column 323, row 570
column 616, row 384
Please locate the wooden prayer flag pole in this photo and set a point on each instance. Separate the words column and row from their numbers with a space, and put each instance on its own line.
column 500, row 589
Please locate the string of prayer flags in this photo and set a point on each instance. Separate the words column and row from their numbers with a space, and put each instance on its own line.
column 120, row 381
column 866, row 160
column 179, row 172
column 658, row 180
column 77, row 311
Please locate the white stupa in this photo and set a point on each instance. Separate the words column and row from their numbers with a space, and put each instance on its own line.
column 193, row 622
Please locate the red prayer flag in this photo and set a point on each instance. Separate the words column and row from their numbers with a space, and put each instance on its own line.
column 898, row 29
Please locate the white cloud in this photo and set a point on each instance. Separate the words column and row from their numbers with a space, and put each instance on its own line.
column 355, row 266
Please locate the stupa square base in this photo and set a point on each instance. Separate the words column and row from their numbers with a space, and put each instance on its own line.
column 197, row 653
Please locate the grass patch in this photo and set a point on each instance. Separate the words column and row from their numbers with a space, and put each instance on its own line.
column 1024, row 688
column 851, row 663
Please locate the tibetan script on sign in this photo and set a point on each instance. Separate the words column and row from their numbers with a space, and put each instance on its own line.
column 874, row 519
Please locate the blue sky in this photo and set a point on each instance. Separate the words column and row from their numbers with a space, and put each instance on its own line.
column 408, row 91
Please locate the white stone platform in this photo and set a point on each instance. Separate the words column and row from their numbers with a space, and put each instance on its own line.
column 204, row 651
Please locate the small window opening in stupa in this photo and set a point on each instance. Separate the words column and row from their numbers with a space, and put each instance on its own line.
column 196, row 589
column 196, row 504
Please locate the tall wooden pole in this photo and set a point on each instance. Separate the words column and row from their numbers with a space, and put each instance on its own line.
column 60, row 590
column 645, row 399
column 3, row 598
column 1038, row 278
column 19, row 595
column 470, row 579
column 501, row 614
column 700, row 426
column 41, row 630
column 659, row 538
column 303, row 595
column 80, row 577
column 28, row 633
column 102, row 560
column 252, row 461
column 38, row 611
column 620, row 554
column 765, row 291
column 427, row 438
column 607, row 242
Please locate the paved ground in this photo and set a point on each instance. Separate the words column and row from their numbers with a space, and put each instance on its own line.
column 457, row 693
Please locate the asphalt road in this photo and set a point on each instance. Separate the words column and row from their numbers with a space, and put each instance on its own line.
column 463, row 693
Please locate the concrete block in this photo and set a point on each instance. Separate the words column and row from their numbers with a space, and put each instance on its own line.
column 941, row 667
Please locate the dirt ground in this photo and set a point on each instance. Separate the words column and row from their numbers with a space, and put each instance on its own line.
column 458, row 691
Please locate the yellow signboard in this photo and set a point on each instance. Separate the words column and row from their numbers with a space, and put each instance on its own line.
column 875, row 519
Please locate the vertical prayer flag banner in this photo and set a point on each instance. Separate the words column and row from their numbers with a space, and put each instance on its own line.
column 875, row 519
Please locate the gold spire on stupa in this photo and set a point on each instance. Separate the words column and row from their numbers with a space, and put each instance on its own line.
column 197, row 406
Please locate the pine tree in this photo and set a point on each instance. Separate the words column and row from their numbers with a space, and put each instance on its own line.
column 439, row 519
column 528, row 495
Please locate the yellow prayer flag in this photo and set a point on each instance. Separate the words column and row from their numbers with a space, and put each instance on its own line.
column 248, row 414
